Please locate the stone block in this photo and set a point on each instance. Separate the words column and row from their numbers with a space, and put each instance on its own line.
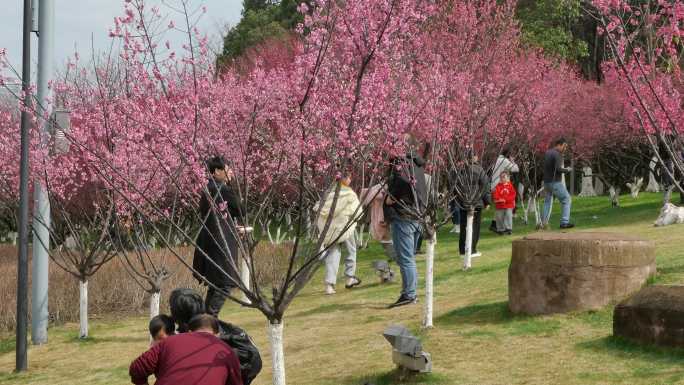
column 654, row 315
column 563, row 272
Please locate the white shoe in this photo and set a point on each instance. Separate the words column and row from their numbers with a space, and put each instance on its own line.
column 475, row 255
column 329, row 289
column 351, row 282
column 456, row 229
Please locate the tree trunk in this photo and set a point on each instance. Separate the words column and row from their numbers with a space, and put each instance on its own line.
column 653, row 185
column 154, row 304
column 275, row 336
column 587, row 183
column 599, row 187
column 245, row 277
column 572, row 176
column 520, row 202
column 635, row 188
column 83, row 309
column 614, row 196
column 667, row 194
column 429, row 279
column 467, row 263
column 361, row 239
column 535, row 208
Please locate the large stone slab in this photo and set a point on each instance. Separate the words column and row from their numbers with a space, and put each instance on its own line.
column 562, row 272
column 654, row 315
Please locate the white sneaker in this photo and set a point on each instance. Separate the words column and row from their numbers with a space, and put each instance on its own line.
column 351, row 282
column 329, row 289
column 456, row 229
column 475, row 255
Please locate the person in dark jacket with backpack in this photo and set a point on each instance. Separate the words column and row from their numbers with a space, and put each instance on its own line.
column 405, row 204
column 216, row 255
column 185, row 304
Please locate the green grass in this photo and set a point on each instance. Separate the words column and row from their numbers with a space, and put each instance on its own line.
column 7, row 345
column 338, row 340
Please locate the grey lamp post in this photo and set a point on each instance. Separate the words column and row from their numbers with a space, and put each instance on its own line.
column 41, row 205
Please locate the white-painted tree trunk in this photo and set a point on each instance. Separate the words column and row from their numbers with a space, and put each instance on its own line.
column 361, row 238
column 635, row 188
column 599, row 187
column 526, row 214
column 154, row 304
column 520, row 202
column 275, row 336
column 429, row 280
column 245, row 277
column 653, row 185
column 535, row 208
column 614, row 196
column 667, row 195
column 83, row 309
column 467, row 261
column 587, row 183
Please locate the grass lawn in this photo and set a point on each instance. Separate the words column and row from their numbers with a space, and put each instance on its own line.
column 337, row 340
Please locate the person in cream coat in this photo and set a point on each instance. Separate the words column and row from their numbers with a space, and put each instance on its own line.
column 340, row 232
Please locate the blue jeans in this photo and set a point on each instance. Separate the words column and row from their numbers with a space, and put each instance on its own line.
column 405, row 235
column 455, row 213
column 558, row 190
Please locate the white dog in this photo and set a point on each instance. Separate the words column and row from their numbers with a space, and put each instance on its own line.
column 670, row 214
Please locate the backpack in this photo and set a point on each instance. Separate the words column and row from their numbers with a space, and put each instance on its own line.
column 243, row 346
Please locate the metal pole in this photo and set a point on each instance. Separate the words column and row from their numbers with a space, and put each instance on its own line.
column 22, row 268
column 41, row 205
column 572, row 176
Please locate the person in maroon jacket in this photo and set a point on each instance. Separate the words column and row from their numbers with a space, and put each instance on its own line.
column 504, row 199
column 194, row 358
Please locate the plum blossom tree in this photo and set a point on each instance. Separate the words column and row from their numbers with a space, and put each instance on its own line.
column 288, row 131
column 644, row 45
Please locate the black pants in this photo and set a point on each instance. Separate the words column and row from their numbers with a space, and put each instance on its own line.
column 215, row 300
column 477, row 218
column 419, row 244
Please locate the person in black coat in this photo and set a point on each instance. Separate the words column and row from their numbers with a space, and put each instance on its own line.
column 216, row 254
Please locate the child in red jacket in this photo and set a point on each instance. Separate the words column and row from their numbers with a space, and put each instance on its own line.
column 504, row 199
